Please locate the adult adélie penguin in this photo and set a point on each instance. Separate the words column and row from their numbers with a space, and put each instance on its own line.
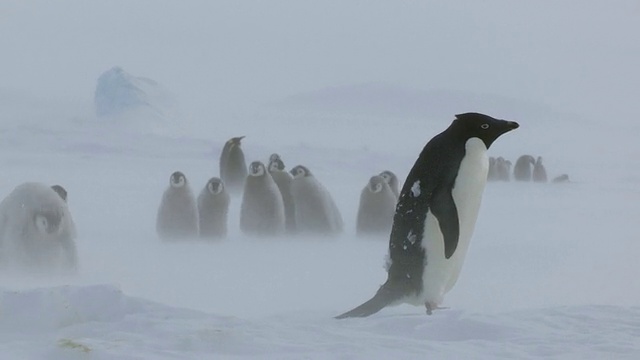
column 436, row 214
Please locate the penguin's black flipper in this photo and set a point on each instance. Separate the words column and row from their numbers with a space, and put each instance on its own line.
column 384, row 297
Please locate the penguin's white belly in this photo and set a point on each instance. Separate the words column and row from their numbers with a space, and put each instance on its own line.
column 440, row 273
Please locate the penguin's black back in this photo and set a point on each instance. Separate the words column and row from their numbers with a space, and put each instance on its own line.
column 436, row 169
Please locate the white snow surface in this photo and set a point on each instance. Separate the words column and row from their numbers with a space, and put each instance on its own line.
column 551, row 271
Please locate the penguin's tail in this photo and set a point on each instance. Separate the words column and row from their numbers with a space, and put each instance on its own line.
column 385, row 296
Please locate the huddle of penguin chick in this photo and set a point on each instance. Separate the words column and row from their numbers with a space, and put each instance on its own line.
column 274, row 202
column 182, row 216
column 37, row 232
column 527, row 168
column 377, row 205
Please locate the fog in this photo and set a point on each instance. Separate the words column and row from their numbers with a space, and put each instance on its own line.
column 347, row 89
column 578, row 57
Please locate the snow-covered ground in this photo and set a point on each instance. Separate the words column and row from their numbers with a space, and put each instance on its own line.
column 552, row 269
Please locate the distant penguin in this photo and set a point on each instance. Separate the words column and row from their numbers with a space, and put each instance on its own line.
column 522, row 169
column 275, row 162
column 262, row 208
column 436, row 215
column 392, row 180
column 539, row 172
column 493, row 171
column 503, row 169
column 178, row 212
column 283, row 179
column 376, row 208
column 213, row 209
column 233, row 168
column 316, row 212
column 37, row 232
column 564, row 178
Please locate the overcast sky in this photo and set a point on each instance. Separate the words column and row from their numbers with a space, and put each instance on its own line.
column 577, row 56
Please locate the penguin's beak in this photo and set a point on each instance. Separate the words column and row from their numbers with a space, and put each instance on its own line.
column 512, row 125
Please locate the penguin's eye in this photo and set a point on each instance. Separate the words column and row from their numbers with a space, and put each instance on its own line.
column 484, row 126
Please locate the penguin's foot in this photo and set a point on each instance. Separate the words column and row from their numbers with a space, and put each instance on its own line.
column 432, row 306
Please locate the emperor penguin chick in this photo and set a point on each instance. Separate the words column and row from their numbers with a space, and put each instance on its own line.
column 213, row 209
column 503, row 169
column 539, row 172
column 316, row 212
column 275, row 162
column 37, row 232
column 283, row 179
column 493, row 172
column 262, row 208
column 376, row 209
column 178, row 213
column 392, row 180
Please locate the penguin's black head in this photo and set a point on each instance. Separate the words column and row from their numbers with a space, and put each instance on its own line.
column 47, row 221
column 300, row 171
column 256, row 168
column 388, row 176
column 60, row 191
column 275, row 163
column 177, row 180
column 376, row 183
column 481, row 126
column 215, row 186
column 274, row 157
column 235, row 141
